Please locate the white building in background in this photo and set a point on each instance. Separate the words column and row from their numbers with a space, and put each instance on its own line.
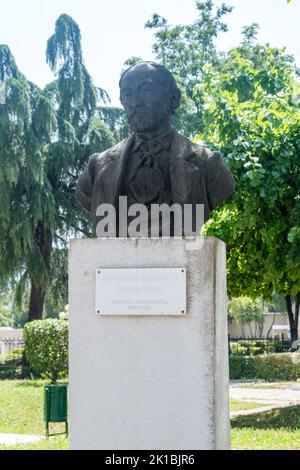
column 10, row 339
column 276, row 325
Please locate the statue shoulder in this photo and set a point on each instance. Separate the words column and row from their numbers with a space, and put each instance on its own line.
column 111, row 154
column 219, row 180
column 191, row 151
column 205, row 157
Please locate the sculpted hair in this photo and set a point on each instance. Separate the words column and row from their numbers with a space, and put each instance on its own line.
column 166, row 79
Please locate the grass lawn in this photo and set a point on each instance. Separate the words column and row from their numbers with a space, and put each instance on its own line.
column 21, row 407
column 277, row 429
column 237, row 405
column 57, row 443
column 21, row 412
column 264, row 439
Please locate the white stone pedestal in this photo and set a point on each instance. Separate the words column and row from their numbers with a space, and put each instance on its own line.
column 149, row 382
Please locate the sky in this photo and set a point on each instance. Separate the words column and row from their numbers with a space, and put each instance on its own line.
column 113, row 30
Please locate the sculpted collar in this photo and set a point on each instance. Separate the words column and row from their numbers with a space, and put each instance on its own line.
column 153, row 145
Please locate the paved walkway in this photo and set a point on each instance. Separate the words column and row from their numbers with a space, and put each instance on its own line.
column 15, row 439
column 275, row 396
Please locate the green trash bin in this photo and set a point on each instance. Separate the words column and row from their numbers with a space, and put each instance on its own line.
column 56, row 405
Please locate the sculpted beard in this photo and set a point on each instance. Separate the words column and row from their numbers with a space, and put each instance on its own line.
column 144, row 119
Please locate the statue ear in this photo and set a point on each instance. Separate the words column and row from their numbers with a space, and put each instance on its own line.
column 175, row 99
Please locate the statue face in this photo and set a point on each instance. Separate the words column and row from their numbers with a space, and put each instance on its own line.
column 145, row 98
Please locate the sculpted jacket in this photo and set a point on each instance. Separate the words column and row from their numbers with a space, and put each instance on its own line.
column 195, row 174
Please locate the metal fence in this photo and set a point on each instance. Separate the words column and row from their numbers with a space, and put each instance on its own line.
column 9, row 344
column 257, row 338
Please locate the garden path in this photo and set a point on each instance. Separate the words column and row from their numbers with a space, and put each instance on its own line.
column 274, row 395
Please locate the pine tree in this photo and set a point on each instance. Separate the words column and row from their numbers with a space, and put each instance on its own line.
column 46, row 137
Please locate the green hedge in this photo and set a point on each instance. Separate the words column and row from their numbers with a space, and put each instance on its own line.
column 15, row 357
column 255, row 347
column 268, row 367
column 242, row 367
column 277, row 367
column 10, row 372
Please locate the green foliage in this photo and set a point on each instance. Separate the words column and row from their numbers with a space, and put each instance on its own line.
column 46, row 347
column 5, row 309
column 269, row 367
column 252, row 117
column 12, row 372
column 248, row 348
column 255, row 347
column 116, row 120
column 242, row 367
column 185, row 50
column 46, row 137
column 57, row 293
column 15, row 357
column 13, row 314
column 277, row 304
column 277, row 367
column 246, row 104
column 246, row 310
column 237, row 349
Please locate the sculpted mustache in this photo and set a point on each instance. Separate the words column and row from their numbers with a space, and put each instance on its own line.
column 140, row 110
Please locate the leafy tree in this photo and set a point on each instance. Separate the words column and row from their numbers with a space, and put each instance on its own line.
column 26, row 123
column 246, row 311
column 116, row 121
column 46, row 137
column 57, row 291
column 185, row 50
column 5, row 310
column 253, row 118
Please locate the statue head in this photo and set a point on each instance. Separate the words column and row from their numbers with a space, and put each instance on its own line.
column 150, row 95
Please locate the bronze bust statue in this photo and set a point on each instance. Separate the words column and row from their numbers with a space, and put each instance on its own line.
column 156, row 164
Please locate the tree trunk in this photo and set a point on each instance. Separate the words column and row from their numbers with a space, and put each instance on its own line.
column 38, row 290
column 36, row 304
column 270, row 329
column 293, row 316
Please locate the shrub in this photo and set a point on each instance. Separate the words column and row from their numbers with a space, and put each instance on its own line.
column 281, row 346
column 267, row 367
column 9, row 372
column 46, row 347
column 236, row 349
column 277, row 367
column 241, row 367
column 247, row 347
column 15, row 357
column 256, row 347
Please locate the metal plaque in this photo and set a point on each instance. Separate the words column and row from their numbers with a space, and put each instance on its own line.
column 141, row 291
